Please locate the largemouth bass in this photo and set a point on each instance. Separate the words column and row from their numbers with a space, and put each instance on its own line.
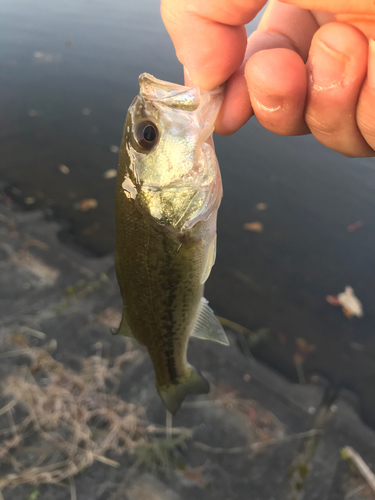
column 168, row 192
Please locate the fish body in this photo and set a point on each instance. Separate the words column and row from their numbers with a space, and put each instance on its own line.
column 168, row 192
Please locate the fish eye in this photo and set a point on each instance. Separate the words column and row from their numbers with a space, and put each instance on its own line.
column 146, row 135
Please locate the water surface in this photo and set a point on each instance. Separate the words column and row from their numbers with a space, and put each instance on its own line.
column 68, row 72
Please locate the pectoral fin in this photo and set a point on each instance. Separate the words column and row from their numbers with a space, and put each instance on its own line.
column 123, row 329
column 207, row 325
column 211, row 257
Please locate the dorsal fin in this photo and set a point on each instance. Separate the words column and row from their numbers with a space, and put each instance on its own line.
column 207, row 326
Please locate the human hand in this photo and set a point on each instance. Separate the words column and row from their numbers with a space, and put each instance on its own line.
column 302, row 71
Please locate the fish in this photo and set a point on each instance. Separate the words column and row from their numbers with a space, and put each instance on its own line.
column 168, row 191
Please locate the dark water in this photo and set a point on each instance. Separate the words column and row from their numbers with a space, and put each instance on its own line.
column 68, row 72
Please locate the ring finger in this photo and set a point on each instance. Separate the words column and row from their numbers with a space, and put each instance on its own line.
column 337, row 67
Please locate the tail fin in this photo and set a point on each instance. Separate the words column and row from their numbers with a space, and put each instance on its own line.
column 174, row 393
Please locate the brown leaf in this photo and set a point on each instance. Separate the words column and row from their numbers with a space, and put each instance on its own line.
column 194, row 475
column 333, row 300
column 256, row 227
column 64, row 169
column 87, row 204
column 261, row 206
column 353, row 227
column 348, row 312
column 110, row 174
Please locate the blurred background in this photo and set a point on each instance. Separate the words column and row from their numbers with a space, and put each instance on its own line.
column 297, row 221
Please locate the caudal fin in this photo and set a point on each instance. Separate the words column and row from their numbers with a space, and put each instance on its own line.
column 174, row 393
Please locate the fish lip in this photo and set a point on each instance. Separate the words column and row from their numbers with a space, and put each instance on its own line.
column 188, row 98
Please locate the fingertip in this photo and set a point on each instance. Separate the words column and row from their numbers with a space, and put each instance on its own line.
column 214, row 54
column 337, row 66
column 277, row 84
column 236, row 109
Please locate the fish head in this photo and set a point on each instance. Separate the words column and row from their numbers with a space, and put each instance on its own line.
column 172, row 171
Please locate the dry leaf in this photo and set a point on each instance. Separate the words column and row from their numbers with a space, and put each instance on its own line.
column 87, row 204
column 256, row 227
column 351, row 305
column 261, row 206
column 193, row 475
column 333, row 300
column 64, row 169
column 110, row 174
column 353, row 227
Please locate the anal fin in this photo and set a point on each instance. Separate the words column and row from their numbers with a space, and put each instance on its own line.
column 207, row 326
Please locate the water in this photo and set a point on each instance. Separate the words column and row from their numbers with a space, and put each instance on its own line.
column 68, row 72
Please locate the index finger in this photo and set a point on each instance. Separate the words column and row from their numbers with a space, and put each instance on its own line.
column 209, row 36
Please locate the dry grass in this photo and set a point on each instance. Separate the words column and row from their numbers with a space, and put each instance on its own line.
column 56, row 422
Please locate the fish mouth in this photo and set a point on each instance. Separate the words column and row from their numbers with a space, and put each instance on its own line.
column 179, row 96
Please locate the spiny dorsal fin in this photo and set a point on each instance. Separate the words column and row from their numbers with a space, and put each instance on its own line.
column 207, row 325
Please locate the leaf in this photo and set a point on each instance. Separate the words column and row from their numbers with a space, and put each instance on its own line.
column 110, row 174
column 353, row 227
column 64, row 169
column 261, row 206
column 87, row 204
column 333, row 300
column 256, row 227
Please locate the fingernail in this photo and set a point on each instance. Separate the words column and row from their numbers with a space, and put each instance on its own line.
column 328, row 66
column 187, row 77
column 371, row 64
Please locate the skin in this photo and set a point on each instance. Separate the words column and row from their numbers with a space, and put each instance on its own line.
column 309, row 67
